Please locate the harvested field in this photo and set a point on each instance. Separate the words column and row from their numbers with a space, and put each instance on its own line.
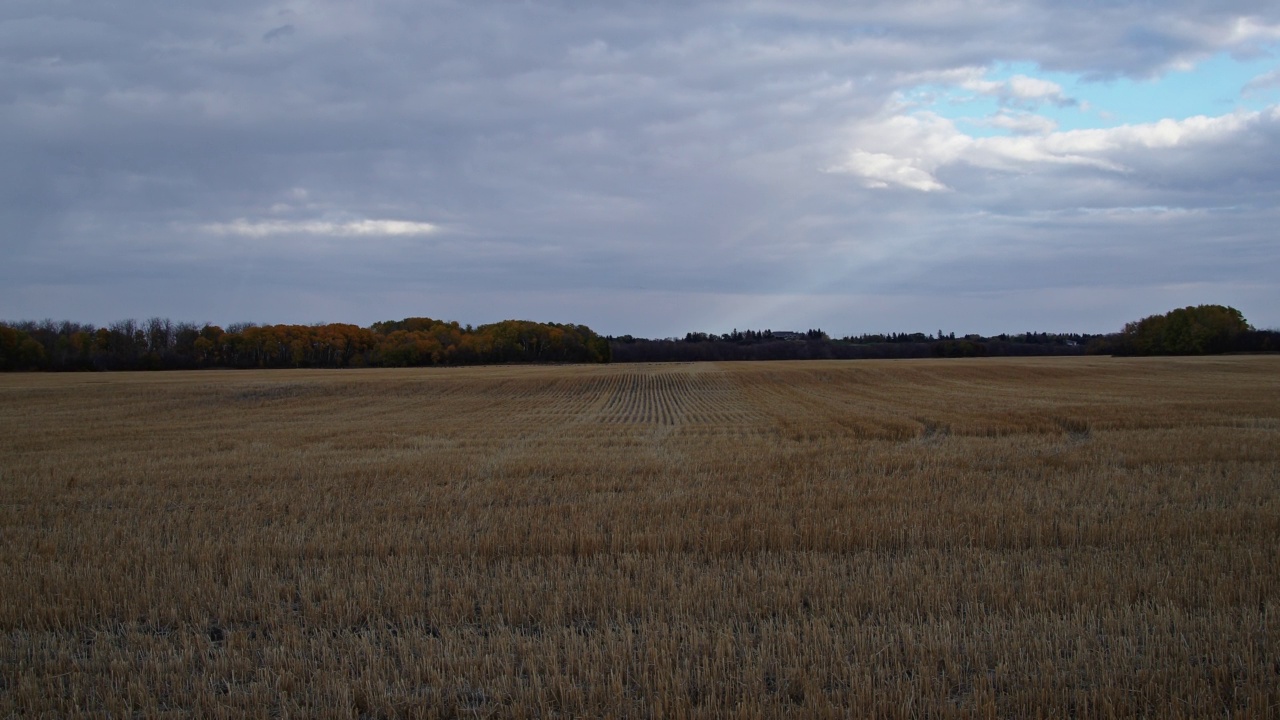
column 960, row 538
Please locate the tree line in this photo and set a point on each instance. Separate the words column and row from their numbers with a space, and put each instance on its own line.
column 1192, row 330
column 161, row 344
column 815, row 344
column 1198, row 330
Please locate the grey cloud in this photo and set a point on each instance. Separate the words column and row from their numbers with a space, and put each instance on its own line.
column 277, row 33
column 1265, row 81
column 620, row 148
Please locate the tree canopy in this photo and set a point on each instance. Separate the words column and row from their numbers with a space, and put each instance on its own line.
column 1198, row 330
column 159, row 343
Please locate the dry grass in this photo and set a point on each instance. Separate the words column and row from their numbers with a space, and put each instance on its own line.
column 1063, row 537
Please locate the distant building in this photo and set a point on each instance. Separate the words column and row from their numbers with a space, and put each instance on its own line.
column 788, row 335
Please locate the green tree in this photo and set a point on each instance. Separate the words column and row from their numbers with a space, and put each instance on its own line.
column 19, row 351
column 1197, row 330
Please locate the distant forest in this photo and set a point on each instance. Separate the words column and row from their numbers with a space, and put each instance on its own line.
column 817, row 345
column 1199, row 330
column 160, row 344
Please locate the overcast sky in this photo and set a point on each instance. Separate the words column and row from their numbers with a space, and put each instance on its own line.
column 641, row 167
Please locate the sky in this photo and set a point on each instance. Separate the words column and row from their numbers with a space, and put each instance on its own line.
column 645, row 168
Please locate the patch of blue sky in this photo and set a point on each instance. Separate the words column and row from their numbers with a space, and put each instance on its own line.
column 1218, row 85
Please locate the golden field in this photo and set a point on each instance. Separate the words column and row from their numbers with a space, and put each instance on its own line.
column 1087, row 537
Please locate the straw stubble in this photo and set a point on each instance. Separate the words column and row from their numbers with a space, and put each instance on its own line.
column 1083, row 536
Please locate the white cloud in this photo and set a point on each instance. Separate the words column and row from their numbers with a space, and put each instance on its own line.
column 904, row 151
column 355, row 228
column 1029, row 88
column 909, row 150
column 1018, row 87
column 974, row 78
column 881, row 170
column 1022, row 123
column 1020, row 90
